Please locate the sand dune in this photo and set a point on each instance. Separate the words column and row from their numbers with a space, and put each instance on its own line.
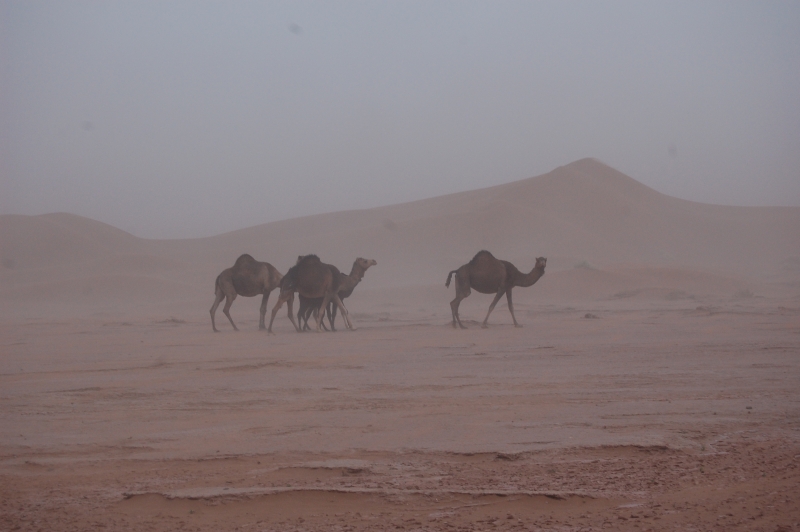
column 584, row 211
column 587, row 218
column 56, row 240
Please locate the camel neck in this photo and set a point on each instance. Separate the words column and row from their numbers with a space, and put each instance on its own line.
column 357, row 273
column 527, row 279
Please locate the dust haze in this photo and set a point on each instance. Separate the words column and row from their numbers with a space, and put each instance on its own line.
column 649, row 153
column 190, row 119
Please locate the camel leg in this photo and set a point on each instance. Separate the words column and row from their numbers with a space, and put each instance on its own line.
column 308, row 313
column 454, row 309
column 305, row 312
column 320, row 315
column 511, row 308
column 345, row 315
column 281, row 300
column 218, row 297
column 332, row 309
column 306, row 309
column 290, row 311
column 497, row 297
column 325, row 327
column 460, row 295
column 316, row 313
column 227, row 309
column 302, row 315
column 275, row 310
column 263, row 311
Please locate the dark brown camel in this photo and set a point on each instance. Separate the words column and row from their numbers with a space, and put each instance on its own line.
column 347, row 284
column 247, row 278
column 489, row 275
column 312, row 279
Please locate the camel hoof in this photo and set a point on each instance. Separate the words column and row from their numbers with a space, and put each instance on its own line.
column 484, row 326
column 518, row 326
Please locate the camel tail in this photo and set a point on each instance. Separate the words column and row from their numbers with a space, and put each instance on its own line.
column 449, row 275
column 216, row 283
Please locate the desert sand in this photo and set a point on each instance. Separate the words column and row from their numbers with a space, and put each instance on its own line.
column 654, row 385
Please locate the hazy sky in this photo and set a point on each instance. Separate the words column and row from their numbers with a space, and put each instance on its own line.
column 183, row 119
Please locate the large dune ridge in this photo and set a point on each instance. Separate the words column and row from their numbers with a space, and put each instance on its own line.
column 605, row 236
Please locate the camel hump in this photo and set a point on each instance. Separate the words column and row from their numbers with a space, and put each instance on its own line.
column 482, row 253
column 243, row 260
column 307, row 259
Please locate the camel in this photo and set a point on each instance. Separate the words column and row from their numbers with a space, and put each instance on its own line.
column 489, row 275
column 347, row 284
column 310, row 278
column 247, row 278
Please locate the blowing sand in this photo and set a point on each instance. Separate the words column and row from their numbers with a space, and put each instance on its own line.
column 643, row 395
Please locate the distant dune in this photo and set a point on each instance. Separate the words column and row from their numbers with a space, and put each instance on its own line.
column 603, row 233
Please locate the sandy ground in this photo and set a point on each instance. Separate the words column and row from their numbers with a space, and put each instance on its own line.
column 623, row 414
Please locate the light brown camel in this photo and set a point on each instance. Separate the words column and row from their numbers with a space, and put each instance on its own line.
column 247, row 278
column 312, row 279
column 347, row 284
column 489, row 275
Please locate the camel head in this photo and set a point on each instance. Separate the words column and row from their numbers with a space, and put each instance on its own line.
column 360, row 266
column 365, row 263
column 541, row 262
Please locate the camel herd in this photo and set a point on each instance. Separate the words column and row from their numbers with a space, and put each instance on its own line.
column 319, row 285
column 322, row 287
